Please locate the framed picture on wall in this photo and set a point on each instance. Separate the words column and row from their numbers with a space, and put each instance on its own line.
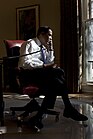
column 27, row 21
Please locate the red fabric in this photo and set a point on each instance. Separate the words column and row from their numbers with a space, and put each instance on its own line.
column 30, row 90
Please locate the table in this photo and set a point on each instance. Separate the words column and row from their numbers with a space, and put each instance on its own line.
column 1, row 95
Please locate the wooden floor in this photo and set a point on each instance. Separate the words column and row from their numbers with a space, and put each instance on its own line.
column 63, row 129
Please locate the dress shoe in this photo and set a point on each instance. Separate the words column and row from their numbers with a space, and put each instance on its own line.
column 74, row 114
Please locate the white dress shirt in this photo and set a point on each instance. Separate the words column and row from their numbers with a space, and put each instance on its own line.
column 28, row 60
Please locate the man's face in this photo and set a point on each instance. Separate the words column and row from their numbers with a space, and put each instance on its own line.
column 46, row 37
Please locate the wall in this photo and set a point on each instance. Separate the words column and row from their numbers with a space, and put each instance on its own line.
column 49, row 15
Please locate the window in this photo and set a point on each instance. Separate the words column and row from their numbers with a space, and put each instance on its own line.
column 88, row 42
column 90, row 7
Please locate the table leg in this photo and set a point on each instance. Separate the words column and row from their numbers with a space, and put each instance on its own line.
column 1, row 99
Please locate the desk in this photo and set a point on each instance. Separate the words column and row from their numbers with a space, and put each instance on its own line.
column 1, row 95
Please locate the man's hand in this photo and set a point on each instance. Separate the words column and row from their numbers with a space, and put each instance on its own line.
column 50, row 65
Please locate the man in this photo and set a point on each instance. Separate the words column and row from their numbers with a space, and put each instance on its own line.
column 38, row 60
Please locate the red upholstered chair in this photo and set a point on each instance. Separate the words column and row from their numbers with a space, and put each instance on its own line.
column 12, row 49
column 16, row 81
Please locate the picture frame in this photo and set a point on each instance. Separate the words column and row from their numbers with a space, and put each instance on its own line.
column 27, row 22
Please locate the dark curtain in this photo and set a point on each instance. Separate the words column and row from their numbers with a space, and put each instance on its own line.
column 69, row 43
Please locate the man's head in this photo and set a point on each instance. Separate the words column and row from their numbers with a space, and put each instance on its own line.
column 44, row 34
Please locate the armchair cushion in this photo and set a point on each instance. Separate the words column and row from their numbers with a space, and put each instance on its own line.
column 30, row 90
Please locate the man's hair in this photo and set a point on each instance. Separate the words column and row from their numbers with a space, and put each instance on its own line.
column 43, row 29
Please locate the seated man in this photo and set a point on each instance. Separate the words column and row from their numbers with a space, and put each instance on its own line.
column 38, row 60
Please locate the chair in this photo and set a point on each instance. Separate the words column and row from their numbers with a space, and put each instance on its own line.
column 9, row 64
column 17, row 81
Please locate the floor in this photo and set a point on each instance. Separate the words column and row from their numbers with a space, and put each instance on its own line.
column 63, row 129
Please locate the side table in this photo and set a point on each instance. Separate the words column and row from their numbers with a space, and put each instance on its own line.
column 1, row 95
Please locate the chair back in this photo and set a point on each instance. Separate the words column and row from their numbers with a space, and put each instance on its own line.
column 13, row 76
column 13, row 49
column 10, row 62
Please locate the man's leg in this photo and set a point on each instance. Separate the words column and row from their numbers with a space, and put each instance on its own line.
column 69, row 111
column 48, row 102
column 56, row 85
column 61, row 85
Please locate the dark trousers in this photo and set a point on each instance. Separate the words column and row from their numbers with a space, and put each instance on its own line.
column 52, row 83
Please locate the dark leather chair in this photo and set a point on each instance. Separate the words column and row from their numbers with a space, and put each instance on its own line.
column 16, row 81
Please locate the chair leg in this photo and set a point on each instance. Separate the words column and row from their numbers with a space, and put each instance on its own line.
column 51, row 112
column 28, row 108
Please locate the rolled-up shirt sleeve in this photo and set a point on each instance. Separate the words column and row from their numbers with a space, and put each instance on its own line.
column 33, row 63
column 50, row 57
